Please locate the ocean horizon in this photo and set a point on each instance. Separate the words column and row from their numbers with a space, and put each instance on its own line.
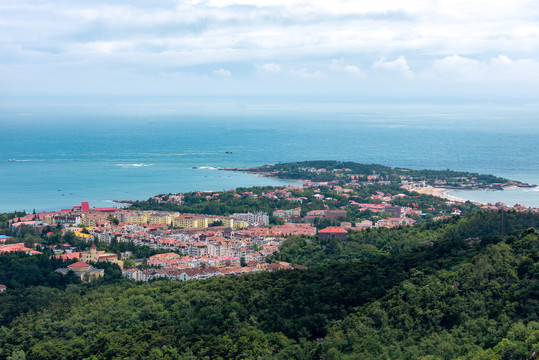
column 59, row 151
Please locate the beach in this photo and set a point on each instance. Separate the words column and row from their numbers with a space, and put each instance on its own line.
column 443, row 193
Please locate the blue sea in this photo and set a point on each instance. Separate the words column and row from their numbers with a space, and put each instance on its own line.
column 100, row 149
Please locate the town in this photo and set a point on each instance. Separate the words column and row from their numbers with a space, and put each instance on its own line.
column 191, row 245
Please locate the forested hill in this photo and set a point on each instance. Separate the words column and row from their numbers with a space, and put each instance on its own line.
column 373, row 243
column 466, row 293
column 330, row 170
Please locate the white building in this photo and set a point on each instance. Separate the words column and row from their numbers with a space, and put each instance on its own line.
column 253, row 218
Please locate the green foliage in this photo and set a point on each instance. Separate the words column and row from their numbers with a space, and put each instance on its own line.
column 461, row 291
column 4, row 220
column 19, row 271
column 297, row 170
column 113, row 219
column 372, row 243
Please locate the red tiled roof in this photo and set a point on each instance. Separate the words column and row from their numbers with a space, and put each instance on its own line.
column 333, row 230
column 75, row 255
column 79, row 264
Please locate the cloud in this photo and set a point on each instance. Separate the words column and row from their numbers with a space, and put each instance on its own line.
column 456, row 68
column 338, row 65
column 442, row 41
column 398, row 65
column 223, row 73
column 306, row 74
column 271, row 68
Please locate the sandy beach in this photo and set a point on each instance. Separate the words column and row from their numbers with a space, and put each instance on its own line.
column 442, row 193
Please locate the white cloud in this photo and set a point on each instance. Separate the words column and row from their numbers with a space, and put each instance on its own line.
column 456, row 68
column 338, row 65
column 161, row 36
column 306, row 74
column 271, row 68
column 222, row 72
column 399, row 65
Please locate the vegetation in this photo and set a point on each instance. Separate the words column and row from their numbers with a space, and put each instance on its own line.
column 226, row 203
column 304, row 170
column 373, row 243
column 463, row 288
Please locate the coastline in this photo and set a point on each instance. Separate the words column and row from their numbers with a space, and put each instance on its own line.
column 441, row 192
column 444, row 194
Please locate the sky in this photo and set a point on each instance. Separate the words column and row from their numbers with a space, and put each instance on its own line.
column 439, row 49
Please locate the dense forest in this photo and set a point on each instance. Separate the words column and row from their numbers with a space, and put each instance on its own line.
column 463, row 288
column 376, row 242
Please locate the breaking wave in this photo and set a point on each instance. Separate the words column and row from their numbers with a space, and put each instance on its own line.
column 205, row 168
column 133, row 165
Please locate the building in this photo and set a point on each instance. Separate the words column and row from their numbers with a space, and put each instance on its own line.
column 293, row 229
column 19, row 247
column 190, row 222
column 292, row 214
column 200, row 221
column 395, row 211
column 86, row 272
column 65, row 257
column 132, row 274
column 83, row 236
column 334, row 215
column 393, row 222
column 253, row 218
column 314, row 214
column 333, row 232
column 66, row 220
column 3, row 288
column 100, row 256
column 331, row 215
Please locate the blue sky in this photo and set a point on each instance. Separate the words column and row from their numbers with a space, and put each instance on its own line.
column 477, row 49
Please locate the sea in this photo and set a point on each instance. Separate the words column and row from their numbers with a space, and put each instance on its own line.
column 56, row 152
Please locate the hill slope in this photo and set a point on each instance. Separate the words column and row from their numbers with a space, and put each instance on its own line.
column 446, row 299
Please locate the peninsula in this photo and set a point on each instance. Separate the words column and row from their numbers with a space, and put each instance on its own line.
column 331, row 171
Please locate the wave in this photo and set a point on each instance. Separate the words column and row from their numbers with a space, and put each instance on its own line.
column 205, row 168
column 26, row 160
column 133, row 165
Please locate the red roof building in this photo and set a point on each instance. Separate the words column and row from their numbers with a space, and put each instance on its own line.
column 333, row 232
column 16, row 248
column 71, row 256
column 78, row 264
column 85, row 207
column 106, row 209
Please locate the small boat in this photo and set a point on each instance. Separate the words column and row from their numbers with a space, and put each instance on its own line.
column 228, row 152
column 11, row 159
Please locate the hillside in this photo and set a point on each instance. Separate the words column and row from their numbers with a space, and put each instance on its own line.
column 466, row 293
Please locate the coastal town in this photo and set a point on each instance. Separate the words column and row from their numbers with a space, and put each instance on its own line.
column 189, row 244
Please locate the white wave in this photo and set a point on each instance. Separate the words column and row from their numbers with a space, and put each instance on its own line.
column 205, row 168
column 28, row 160
column 133, row 165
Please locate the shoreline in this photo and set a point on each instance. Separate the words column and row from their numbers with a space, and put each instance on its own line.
column 444, row 194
